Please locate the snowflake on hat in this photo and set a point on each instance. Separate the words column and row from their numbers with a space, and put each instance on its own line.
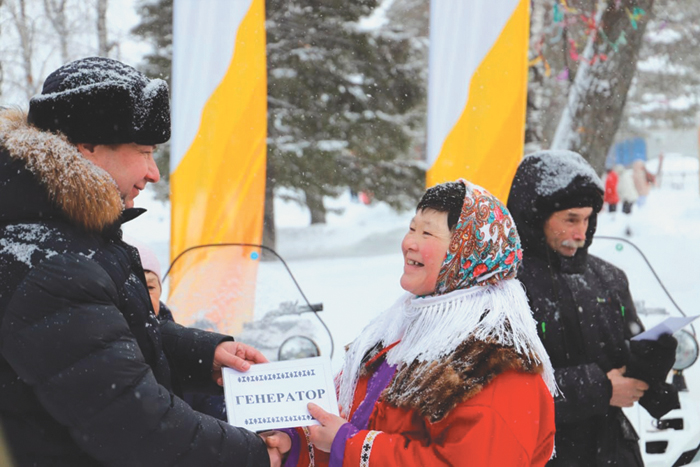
column 102, row 101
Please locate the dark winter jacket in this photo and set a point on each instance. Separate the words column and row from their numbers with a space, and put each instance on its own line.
column 585, row 317
column 87, row 373
column 213, row 405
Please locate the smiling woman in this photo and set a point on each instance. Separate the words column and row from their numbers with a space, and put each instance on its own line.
column 434, row 376
column 424, row 247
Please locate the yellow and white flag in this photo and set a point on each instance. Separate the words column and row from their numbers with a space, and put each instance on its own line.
column 217, row 160
column 477, row 91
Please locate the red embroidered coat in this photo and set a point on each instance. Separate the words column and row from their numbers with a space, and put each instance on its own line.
column 482, row 402
column 509, row 421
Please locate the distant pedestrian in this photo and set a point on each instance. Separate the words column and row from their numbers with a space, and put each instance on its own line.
column 611, row 197
column 627, row 190
column 642, row 181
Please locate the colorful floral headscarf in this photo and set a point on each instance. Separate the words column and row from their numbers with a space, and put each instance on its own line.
column 484, row 250
column 485, row 245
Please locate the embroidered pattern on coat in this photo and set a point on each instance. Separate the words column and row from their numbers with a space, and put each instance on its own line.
column 309, row 446
column 367, row 447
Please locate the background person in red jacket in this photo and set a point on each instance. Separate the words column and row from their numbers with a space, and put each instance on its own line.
column 453, row 373
column 611, row 197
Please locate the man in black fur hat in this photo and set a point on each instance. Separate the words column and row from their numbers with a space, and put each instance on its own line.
column 88, row 376
column 585, row 315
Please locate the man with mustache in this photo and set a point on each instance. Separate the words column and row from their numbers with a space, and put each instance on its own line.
column 585, row 315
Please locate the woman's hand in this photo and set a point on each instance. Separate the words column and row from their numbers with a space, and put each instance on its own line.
column 278, row 446
column 234, row 355
column 322, row 436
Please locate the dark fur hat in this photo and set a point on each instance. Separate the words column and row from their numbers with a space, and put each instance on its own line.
column 102, row 101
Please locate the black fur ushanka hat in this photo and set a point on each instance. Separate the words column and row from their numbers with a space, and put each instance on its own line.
column 102, row 101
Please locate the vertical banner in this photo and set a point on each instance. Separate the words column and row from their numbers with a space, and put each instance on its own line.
column 477, row 91
column 218, row 156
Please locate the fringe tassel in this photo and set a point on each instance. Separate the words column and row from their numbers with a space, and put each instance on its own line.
column 432, row 327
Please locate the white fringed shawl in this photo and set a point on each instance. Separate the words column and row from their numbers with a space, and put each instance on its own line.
column 432, row 327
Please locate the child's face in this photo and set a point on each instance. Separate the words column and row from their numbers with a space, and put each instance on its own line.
column 154, row 290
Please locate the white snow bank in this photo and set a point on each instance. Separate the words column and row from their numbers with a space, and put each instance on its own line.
column 674, row 163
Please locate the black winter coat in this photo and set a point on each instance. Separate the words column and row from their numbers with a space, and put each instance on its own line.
column 585, row 317
column 88, row 376
column 214, row 405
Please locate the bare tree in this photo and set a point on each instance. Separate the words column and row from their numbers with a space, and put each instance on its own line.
column 56, row 13
column 103, row 44
column 536, row 87
column 671, row 39
column 39, row 35
column 25, row 29
column 598, row 94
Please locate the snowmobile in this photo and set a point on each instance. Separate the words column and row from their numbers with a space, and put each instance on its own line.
column 286, row 325
column 674, row 439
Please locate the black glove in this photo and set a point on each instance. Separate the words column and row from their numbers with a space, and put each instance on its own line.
column 652, row 360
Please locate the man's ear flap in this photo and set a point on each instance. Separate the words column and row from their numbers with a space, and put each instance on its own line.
column 86, row 149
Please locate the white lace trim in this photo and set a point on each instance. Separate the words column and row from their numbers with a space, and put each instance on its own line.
column 432, row 327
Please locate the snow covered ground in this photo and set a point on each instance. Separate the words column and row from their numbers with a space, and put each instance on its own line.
column 353, row 263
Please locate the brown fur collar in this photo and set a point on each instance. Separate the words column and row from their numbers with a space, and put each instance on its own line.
column 435, row 388
column 86, row 194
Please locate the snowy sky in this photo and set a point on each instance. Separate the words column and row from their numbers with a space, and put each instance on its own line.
column 122, row 17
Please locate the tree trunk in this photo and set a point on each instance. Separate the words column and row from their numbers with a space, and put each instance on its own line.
column 535, row 87
column 314, row 202
column 103, row 46
column 599, row 92
column 269, row 233
column 56, row 12
column 25, row 31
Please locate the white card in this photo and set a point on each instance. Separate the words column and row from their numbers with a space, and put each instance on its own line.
column 668, row 326
column 275, row 395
